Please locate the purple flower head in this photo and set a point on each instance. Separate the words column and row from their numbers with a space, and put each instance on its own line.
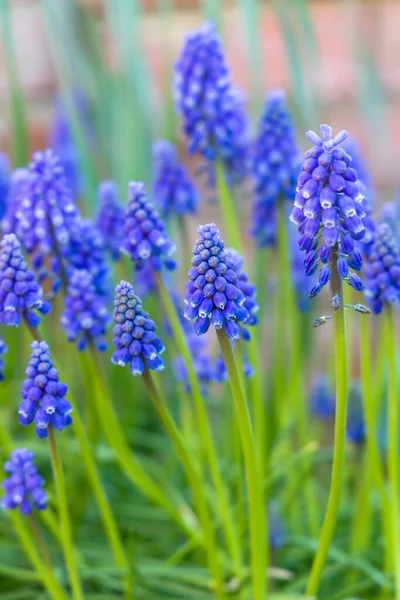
column 23, row 488
column 62, row 142
column 110, row 217
column 301, row 283
column 20, row 295
column 85, row 317
column 145, row 239
column 46, row 212
column 86, row 250
column 18, row 186
column 174, row 191
column 3, row 350
column 43, row 395
column 4, row 182
column 212, row 109
column 275, row 166
column 248, row 290
column 382, row 269
column 135, row 339
column 322, row 399
column 212, row 292
column 355, row 426
column 328, row 210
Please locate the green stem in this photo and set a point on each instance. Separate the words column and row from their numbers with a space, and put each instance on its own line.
column 46, row 574
column 194, row 479
column 232, row 234
column 204, row 430
column 340, row 433
column 258, row 525
column 393, row 440
column 41, row 542
column 65, row 525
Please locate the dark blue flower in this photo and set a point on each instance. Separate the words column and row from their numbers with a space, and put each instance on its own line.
column 4, row 183
column 85, row 317
column 18, row 186
column 3, row 350
column 23, row 488
column 212, row 292
column 275, row 166
column 322, row 399
column 46, row 212
column 145, row 239
column 135, row 339
column 20, row 295
column 63, row 143
column 328, row 208
column 247, row 289
column 355, row 426
column 382, row 269
column 86, row 250
column 212, row 109
column 110, row 217
column 43, row 395
column 174, row 191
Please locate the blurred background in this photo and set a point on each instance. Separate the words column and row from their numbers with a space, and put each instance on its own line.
column 339, row 60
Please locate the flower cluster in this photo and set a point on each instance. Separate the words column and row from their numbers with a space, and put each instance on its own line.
column 144, row 237
column 23, row 488
column 110, row 217
column 43, row 395
column 46, row 211
column 212, row 292
column 85, row 317
column 3, row 350
column 382, row 269
column 86, row 250
column 300, row 281
column 135, row 339
column 212, row 109
column 275, row 166
column 4, row 183
column 174, row 191
column 328, row 210
column 63, row 143
column 247, row 289
column 18, row 186
column 20, row 294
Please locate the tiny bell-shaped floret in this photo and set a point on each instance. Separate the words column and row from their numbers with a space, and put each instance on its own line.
column 248, row 290
column 20, row 295
column 134, row 332
column 382, row 269
column 24, row 487
column 43, row 395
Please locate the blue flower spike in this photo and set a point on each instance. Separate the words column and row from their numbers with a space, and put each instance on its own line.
column 382, row 270
column 24, row 487
column 21, row 297
column 329, row 211
column 110, row 217
column 135, row 339
column 43, row 395
column 213, row 296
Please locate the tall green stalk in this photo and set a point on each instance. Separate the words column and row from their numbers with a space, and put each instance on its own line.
column 393, row 440
column 65, row 524
column 257, row 510
column 204, row 430
column 332, row 510
column 194, row 478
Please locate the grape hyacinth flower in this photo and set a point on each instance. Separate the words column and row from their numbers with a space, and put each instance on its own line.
column 4, row 183
column 174, row 192
column 322, row 399
column 20, row 295
column 144, row 237
column 23, row 488
column 86, row 250
column 300, row 281
column 328, row 210
column 382, row 269
column 43, row 395
column 110, row 217
column 3, row 350
column 63, row 143
column 18, row 185
column 212, row 292
column 46, row 211
column 85, row 317
column 135, row 339
column 211, row 107
column 248, row 290
column 275, row 166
